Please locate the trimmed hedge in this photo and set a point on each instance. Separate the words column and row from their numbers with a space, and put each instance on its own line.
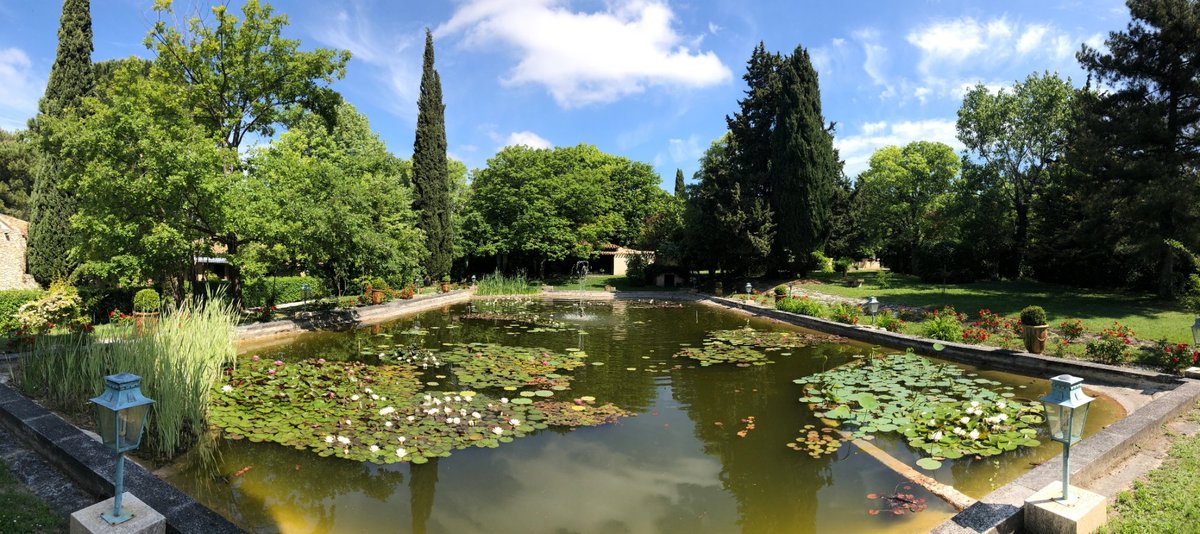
column 281, row 290
column 11, row 301
column 99, row 302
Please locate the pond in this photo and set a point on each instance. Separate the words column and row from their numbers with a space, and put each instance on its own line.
column 699, row 448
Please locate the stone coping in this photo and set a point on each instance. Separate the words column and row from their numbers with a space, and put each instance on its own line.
column 342, row 319
column 91, row 466
column 1001, row 510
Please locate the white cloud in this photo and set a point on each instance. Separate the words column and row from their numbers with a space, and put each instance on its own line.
column 527, row 138
column 395, row 58
column 685, row 151
column 1031, row 38
column 856, row 149
column 875, row 62
column 587, row 57
column 20, row 88
column 713, row 28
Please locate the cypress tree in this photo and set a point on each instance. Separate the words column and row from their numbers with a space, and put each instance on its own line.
column 431, row 177
column 71, row 78
column 804, row 164
column 680, row 191
column 751, row 127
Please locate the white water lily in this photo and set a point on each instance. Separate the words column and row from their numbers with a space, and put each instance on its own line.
column 514, row 422
column 343, row 440
column 400, row 439
column 1002, row 417
column 328, row 439
column 374, row 397
column 374, row 448
column 476, row 415
column 504, row 400
column 387, row 411
column 974, row 403
column 226, row 388
column 387, row 424
column 448, row 410
column 964, row 420
column 497, row 431
column 401, row 452
column 1001, row 405
column 936, row 436
column 354, row 397
column 411, row 418
column 974, row 434
column 368, row 390
column 457, row 398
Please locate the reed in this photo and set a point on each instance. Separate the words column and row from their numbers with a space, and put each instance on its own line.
column 179, row 360
column 500, row 284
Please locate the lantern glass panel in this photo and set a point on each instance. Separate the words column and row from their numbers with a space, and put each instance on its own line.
column 106, row 423
column 1077, row 421
column 1056, row 419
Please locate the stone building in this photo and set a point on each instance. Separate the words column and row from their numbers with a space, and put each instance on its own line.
column 12, row 254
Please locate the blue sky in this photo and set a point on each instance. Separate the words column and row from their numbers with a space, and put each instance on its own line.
column 651, row 80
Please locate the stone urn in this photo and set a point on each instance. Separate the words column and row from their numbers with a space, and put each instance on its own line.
column 376, row 296
column 1035, row 337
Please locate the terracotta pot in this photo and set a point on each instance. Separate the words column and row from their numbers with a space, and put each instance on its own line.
column 376, row 296
column 445, row 287
column 1035, row 337
column 147, row 320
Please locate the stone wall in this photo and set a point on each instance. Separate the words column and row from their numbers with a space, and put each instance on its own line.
column 12, row 255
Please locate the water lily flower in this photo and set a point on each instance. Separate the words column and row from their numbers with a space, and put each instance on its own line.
column 476, row 415
column 1001, row 405
column 514, row 422
column 343, row 440
column 974, row 434
column 388, row 424
column 411, row 418
column 368, row 390
column 382, row 398
column 497, row 431
column 329, row 439
column 254, row 358
column 936, row 436
column 226, row 388
column 320, row 360
column 374, row 448
column 400, row 439
column 278, row 363
column 503, row 400
column 448, row 410
column 974, row 403
column 354, row 397
column 401, row 452
column 387, row 411
column 457, row 398
column 270, row 371
column 965, row 420
column 374, row 397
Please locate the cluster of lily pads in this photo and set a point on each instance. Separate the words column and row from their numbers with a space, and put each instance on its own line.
column 746, row 346
column 940, row 408
column 385, row 413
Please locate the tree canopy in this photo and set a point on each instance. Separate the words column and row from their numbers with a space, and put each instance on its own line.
column 431, row 177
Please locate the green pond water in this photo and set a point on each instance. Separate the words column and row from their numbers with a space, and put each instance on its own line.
column 679, row 465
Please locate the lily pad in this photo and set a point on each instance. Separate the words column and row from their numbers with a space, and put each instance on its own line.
column 929, row 464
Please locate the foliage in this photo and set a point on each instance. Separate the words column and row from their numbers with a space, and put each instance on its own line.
column 51, row 205
column 1174, row 357
column 11, row 301
column 680, row 188
column 1020, row 132
column 889, row 321
column 542, row 205
column 847, row 313
column 146, row 300
column 803, row 306
column 780, row 290
column 333, row 202
column 179, row 361
column 485, row 365
column 842, row 265
column 500, row 284
column 431, row 177
column 1033, row 316
column 726, row 226
column 17, row 165
column 99, row 302
column 1072, row 330
column 741, row 346
column 883, row 279
column 59, row 306
column 1113, row 344
column 282, row 289
column 905, row 190
column 820, row 262
column 939, row 408
column 945, row 324
column 897, row 502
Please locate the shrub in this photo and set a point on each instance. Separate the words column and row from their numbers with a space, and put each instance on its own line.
column 781, row 290
column 499, row 284
column 273, row 290
column 146, row 300
column 10, row 302
column 1113, row 345
column 803, row 306
column 883, row 279
column 846, row 313
column 1033, row 316
column 842, row 265
column 60, row 306
column 821, row 262
column 98, row 303
column 889, row 321
column 1071, row 330
column 944, row 324
column 179, row 361
column 1173, row 357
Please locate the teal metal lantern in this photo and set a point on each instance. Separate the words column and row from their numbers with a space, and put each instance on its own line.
column 1196, row 331
column 1066, row 413
column 121, row 413
column 872, row 308
column 749, row 288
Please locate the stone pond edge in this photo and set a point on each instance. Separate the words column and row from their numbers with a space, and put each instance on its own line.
column 1001, row 510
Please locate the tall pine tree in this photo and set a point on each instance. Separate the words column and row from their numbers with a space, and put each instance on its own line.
column 804, row 164
column 680, row 189
column 51, row 207
column 751, row 127
column 431, row 177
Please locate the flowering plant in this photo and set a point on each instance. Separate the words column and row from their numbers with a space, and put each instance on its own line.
column 847, row 313
column 1175, row 357
column 1072, row 330
column 887, row 321
column 1113, row 344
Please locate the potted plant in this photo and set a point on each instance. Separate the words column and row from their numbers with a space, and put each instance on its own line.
column 1034, row 328
column 445, row 287
column 146, row 304
column 781, row 292
column 719, row 290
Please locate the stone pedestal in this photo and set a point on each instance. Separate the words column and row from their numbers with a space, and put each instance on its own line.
column 145, row 520
column 1045, row 515
column 1192, row 372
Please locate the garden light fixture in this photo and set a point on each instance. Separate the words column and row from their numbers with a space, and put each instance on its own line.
column 872, row 308
column 472, row 280
column 306, row 289
column 1196, row 331
column 1066, row 412
column 121, row 413
column 749, row 288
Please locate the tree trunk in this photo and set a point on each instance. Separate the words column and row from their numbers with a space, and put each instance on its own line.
column 1021, row 236
column 235, row 275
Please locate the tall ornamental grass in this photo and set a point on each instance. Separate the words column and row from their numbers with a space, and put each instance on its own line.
column 179, row 360
column 499, row 284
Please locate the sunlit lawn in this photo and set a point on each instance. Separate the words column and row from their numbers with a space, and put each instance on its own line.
column 597, row 282
column 1149, row 317
column 1166, row 500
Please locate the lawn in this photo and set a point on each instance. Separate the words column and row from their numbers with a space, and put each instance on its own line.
column 1166, row 500
column 597, row 282
column 1149, row 317
column 23, row 512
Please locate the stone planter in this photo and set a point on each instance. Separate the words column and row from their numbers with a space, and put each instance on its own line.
column 146, row 320
column 376, row 296
column 445, row 287
column 779, row 297
column 1035, row 337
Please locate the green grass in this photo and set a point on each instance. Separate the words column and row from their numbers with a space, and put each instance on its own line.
column 1149, row 317
column 23, row 512
column 500, row 284
column 1166, row 501
column 597, row 282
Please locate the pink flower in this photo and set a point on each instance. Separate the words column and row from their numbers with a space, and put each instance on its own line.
column 278, row 363
column 270, row 371
column 320, row 360
column 254, row 358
